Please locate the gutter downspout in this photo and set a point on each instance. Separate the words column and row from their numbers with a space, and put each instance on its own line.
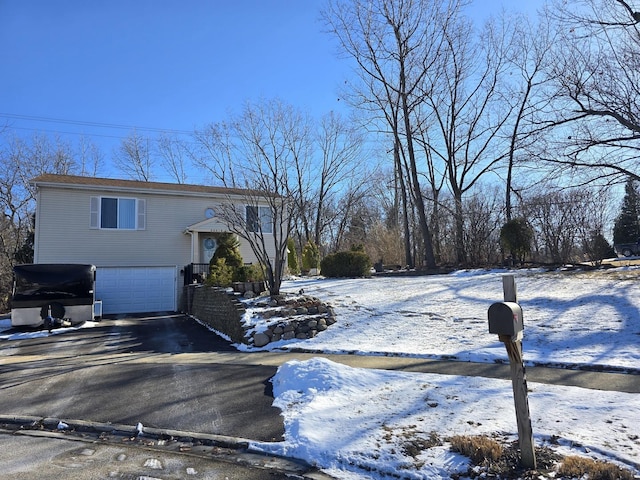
column 194, row 244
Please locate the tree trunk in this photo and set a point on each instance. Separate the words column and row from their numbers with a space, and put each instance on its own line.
column 429, row 258
column 461, row 256
column 408, row 254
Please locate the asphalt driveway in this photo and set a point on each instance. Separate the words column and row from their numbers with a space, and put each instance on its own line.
column 132, row 369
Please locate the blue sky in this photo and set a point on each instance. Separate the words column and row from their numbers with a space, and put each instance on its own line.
column 167, row 64
column 164, row 64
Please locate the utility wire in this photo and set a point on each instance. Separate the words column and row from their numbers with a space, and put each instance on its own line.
column 91, row 124
column 33, row 129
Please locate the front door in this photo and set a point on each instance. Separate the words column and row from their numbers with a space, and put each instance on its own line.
column 209, row 245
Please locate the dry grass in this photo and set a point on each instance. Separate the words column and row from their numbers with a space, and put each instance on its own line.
column 497, row 461
column 578, row 467
column 607, row 274
column 608, row 271
column 413, row 445
column 480, row 449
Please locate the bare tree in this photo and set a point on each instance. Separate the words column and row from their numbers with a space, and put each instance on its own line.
column 528, row 91
column 388, row 242
column 16, row 198
column 173, row 156
column 396, row 46
column 257, row 152
column 90, row 158
column 133, row 157
column 435, row 173
column 345, row 212
column 339, row 169
column 597, row 70
column 216, row 142
column 20, row 162
column 593, row 217
column 558, row 218
column 470, row 112
column 483, row 219
column 23, row 160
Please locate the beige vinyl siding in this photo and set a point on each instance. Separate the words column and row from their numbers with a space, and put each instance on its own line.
column 247, row 253
column 64, row 233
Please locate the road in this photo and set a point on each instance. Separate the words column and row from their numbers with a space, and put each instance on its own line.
column 128, row 370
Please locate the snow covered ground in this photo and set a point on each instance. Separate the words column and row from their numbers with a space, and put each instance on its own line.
column 358, row 424
column 361, row 424
column 571, row 318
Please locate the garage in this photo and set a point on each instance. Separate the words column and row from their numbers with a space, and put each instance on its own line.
column 136, row 289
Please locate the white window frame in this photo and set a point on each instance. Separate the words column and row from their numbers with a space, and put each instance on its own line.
column 95, row 214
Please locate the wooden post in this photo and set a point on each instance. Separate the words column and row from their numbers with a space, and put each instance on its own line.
column 513, row 344
column 509, row 288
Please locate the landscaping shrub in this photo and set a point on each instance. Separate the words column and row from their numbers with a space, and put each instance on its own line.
column 228, row 249
column 249, row 273
column 310, row 256
column 227, row 266
column 346, row 264
column 220, row 274
column 292, row 257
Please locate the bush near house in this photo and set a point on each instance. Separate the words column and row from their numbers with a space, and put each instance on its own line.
column 346, row 264
column 249, row 273
column 310, row 256
column 229, row 249
column 292, row 257
column 227, row 266
column 220, row 274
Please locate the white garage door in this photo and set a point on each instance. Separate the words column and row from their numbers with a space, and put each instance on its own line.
column 136, row 289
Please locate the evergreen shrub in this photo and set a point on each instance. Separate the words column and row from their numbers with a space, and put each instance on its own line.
column 310, row 256
column 346, row 264
column 220, row 274
column 292, row 257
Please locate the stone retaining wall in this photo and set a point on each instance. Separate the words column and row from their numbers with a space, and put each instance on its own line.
column 293, row 318
column 215, row 307
column 297, row 317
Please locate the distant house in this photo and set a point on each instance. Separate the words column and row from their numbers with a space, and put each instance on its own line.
column 143, row 237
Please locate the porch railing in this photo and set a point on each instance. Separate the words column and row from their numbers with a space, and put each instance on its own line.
column 195, row 273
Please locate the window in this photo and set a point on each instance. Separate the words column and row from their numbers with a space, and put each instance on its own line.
column 259, row 219
column 117, row 213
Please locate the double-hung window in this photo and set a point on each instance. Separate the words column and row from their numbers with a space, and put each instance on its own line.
column 115, row 213
column 259, row 219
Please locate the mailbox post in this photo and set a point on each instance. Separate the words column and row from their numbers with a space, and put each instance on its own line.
column 505, row 319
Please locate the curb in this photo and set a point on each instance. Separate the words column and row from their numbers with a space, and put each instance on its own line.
column 236, row 449
column 52, row 423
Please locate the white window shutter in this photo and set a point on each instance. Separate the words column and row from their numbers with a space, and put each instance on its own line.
column 94, row 216
column 142, row 214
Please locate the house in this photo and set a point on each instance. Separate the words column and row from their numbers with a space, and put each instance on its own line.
column 143, row 237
